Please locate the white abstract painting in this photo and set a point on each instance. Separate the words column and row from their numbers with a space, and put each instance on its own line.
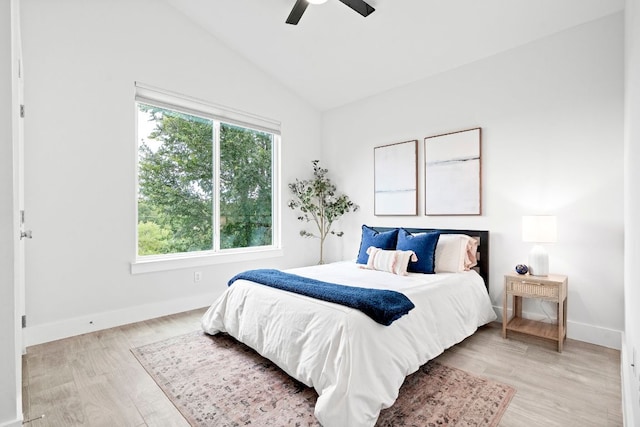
column 396, row 179
column 452, row 173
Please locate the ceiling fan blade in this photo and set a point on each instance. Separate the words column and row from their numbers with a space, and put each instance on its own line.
column 297, row 11
column 359, row 6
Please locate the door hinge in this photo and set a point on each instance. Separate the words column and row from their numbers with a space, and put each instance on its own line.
column 24, row 321
column 22, row 110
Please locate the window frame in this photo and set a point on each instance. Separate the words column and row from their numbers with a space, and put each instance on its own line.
column 149, row 95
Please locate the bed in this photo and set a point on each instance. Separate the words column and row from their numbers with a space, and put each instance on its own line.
column 355, row 364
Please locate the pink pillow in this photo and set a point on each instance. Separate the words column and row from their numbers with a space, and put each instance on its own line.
column 455, row 253
column 395, row 262
column 471, row 259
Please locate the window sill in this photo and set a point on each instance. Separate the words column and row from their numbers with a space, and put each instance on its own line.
column 198, row 260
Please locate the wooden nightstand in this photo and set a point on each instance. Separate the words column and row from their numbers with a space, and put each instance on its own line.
column 550, row 288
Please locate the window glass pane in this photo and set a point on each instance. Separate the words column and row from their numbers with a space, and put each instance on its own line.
column 175, row 199
column 245, row 187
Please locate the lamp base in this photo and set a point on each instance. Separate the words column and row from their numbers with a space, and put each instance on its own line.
column 538, row 261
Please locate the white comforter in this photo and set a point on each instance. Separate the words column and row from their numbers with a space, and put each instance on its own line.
column 355, row 364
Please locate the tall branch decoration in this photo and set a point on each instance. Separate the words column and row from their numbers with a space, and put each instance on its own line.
column 318, row 202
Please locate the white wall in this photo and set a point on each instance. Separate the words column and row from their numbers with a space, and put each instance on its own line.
column 551, row 114
column 631, row 375
column 82, row 58
column 9, row 370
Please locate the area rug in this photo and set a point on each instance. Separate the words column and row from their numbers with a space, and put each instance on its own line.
column 218, row 381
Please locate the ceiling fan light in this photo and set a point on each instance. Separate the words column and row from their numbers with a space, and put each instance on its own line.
column 316, row 1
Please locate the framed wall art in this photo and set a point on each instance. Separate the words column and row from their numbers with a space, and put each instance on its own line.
column 452, row 173
column 396, row 179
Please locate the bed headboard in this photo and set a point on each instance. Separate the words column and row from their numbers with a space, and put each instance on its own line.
column 483, row 245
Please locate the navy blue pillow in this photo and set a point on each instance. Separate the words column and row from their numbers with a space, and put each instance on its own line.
column 424, row 246
column 371, row 237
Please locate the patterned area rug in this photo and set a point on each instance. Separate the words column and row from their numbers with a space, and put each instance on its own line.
column 217, row 381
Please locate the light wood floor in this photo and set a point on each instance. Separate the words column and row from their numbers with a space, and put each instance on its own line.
column 94, row 380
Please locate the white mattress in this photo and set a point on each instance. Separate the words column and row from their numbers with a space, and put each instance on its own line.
column 355, row 364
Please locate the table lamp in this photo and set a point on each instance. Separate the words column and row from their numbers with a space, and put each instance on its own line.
column 539, row 229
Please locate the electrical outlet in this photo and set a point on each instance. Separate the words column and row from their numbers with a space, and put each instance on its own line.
column 197, row 276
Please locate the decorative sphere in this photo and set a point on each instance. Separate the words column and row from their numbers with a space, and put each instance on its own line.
column 522, row 269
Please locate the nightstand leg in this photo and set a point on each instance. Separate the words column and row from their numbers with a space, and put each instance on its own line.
column 504, row 314
column 565, row 318
column 561, row 325
column 517, row 306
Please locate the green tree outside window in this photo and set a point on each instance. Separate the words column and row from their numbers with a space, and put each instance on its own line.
column 176, row 203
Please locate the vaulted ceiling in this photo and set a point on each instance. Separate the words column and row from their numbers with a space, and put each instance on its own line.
column 335, row 56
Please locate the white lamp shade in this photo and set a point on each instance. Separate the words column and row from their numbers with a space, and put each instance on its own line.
column 539, row 229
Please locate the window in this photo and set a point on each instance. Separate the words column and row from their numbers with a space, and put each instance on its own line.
column 207, row 178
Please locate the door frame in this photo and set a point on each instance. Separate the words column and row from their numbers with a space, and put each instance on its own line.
column 18, row 169
column 17, row 124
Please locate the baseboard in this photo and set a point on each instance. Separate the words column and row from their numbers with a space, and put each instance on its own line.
column 47, row 332
column 14, row 423
column 597, row 335
column 38, row 334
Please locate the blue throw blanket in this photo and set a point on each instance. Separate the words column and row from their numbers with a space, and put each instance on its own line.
column 381, row 305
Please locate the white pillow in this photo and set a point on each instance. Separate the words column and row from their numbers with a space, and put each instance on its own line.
column 395, row 262
column 455, row 253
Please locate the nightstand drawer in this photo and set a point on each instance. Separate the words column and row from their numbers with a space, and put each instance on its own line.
column 535, row 289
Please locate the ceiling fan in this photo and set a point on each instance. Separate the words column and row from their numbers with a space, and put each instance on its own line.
column 359, row 6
